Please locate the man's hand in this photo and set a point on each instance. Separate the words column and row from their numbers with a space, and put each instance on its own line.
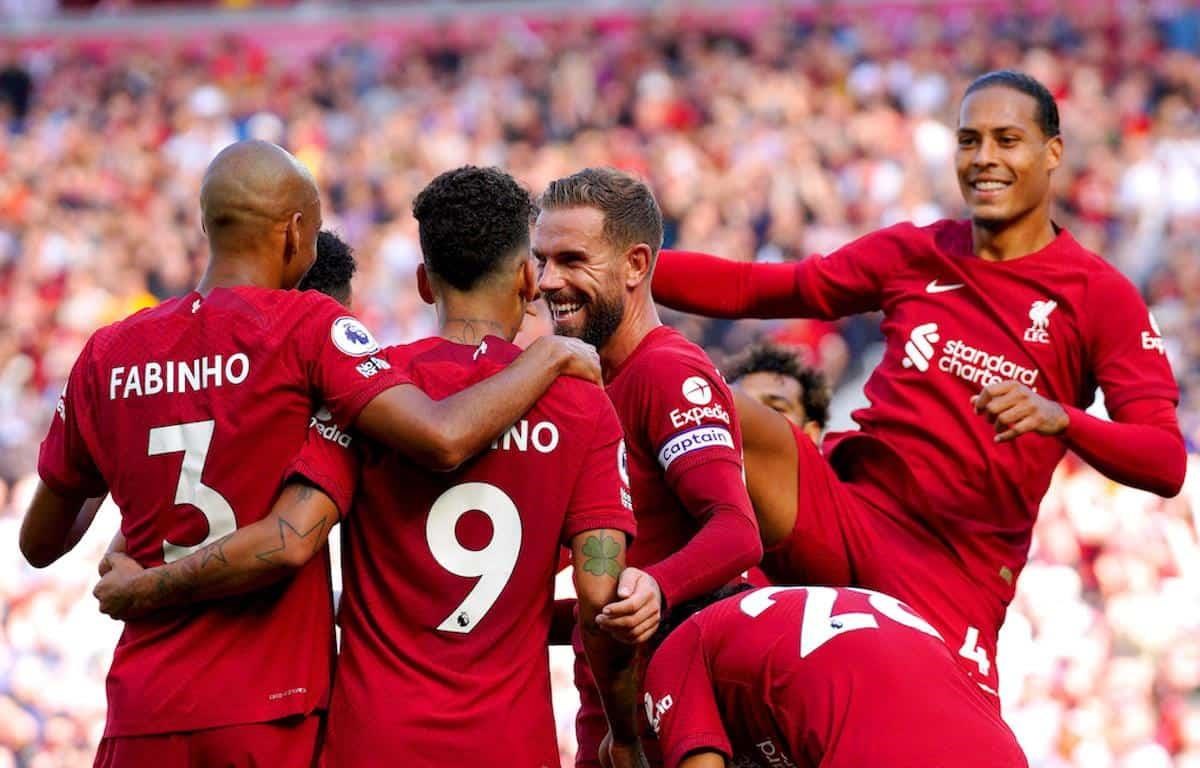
column 617, row 755
column 115, row 591
column 574, row 357
column 1016, row 409
column 635, row 617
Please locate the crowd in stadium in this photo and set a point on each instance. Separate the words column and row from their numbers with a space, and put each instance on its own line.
column 766, row 142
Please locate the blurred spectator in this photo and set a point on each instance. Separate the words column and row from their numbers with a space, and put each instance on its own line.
column 767, row 137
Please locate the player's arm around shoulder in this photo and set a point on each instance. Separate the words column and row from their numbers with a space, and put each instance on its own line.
column 250, row 558
column 442, row 434
column 321, row 483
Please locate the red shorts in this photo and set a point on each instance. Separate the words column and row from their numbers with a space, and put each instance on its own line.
column 292, row 742
column 842, row 539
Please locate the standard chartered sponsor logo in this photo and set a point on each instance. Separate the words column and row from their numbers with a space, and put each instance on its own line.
column 773, row 754
column 694, row 439
column 979, row 367
column 960, row 359
column 918, row 350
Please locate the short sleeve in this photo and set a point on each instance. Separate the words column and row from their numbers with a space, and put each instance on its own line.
column 689, row 416
column 329, row 461
column 345, row 365
column 851, row 279
column 65, row 462
column 1126, row 351
column 679, row 700
column 601, row 498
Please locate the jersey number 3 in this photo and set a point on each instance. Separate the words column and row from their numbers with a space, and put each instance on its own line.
column 493, row 565
column 193, row 440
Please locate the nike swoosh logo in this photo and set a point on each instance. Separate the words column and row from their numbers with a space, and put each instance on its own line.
column 933, row 287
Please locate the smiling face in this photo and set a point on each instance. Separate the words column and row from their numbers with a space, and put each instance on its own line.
column 1004, row 160
column 581, row 274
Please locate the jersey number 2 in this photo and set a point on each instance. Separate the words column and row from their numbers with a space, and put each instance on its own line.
column 493, row 565
column 820, row 624
column 193, row 440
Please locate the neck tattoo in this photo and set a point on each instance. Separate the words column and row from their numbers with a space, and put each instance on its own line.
column 470, row 330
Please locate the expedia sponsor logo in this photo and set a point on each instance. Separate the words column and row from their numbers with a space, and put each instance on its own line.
column 322, row 423
column 695, row 439
column 1152, row 340
column 682, row 417
column 656, row 710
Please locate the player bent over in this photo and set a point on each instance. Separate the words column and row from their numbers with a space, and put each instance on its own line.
column 817, row 676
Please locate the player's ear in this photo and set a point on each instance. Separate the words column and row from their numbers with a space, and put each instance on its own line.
column 424, row 286
column 291, row 238
column 528, row 281
column 637, row 265
column 1054, row 152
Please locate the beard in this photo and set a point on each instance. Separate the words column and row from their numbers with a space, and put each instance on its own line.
column 604, row 316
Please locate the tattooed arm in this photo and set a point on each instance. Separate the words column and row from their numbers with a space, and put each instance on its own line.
column 599, row 558
column 250, row 558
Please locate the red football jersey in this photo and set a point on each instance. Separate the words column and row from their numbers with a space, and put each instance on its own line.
column 449, row 577
column 677, row 413
column 817, row 676
column 1061, row 321
column 189, row 414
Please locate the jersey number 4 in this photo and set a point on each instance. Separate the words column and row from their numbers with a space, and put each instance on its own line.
column 820, row 624
column 193, row 440
column 493, row 565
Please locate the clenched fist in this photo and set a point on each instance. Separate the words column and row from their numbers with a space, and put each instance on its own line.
column 1016, row 409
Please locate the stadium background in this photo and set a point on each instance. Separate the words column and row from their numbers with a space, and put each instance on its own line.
column 768, row 132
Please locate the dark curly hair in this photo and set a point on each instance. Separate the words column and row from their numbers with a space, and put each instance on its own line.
column 678, row 614
column 331, row 272
column 765, row 357
column 472, row 220
column 1047, row 108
